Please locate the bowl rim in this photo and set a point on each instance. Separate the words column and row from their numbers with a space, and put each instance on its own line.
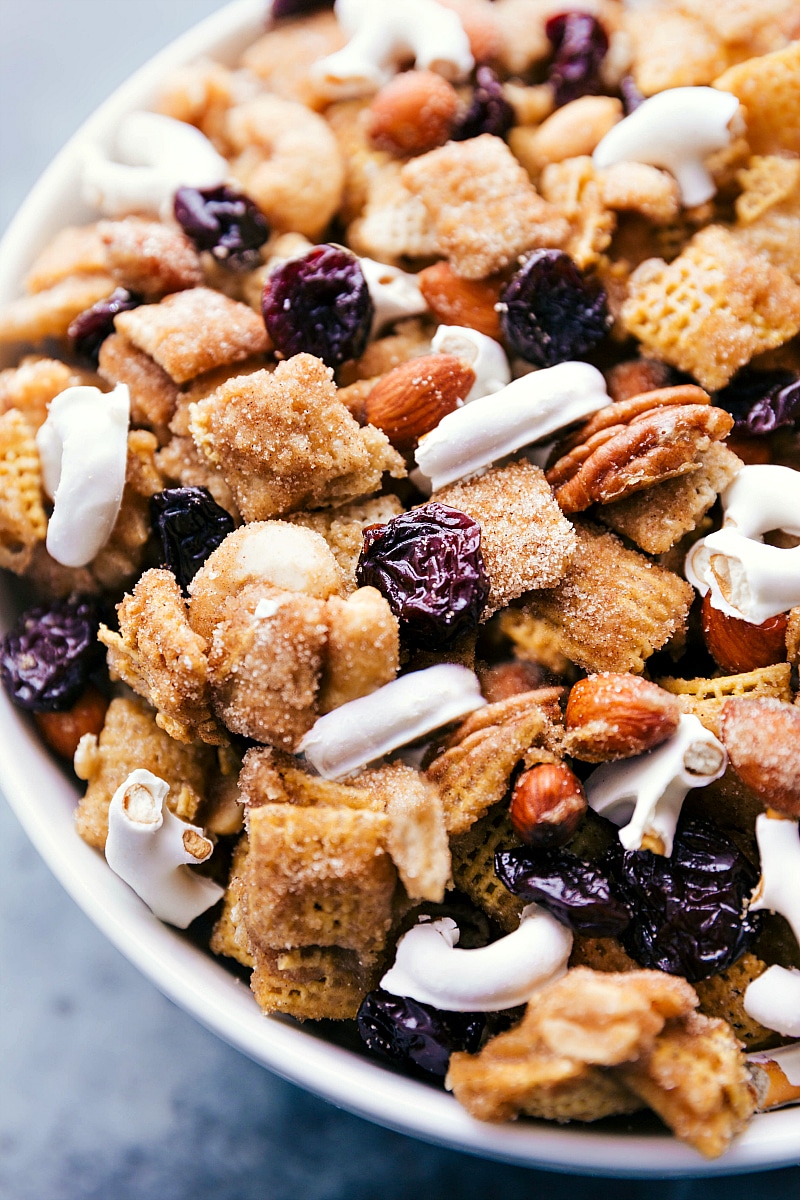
column 43, row 799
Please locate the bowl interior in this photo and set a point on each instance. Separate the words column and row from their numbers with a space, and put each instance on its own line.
column 43, row 796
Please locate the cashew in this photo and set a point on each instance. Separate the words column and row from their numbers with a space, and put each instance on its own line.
column 150, row 848
column 428, row 967
column 486, row 357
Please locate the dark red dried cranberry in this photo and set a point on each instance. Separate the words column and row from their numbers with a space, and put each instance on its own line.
column 689, row 911
column 489, row 111
column 414, row 1034
column 761, row 401
column 580, row 43
column 90, row 328
column 631, row 96
column 225, row 222
column 549, row 313
column 296, row 8
column 428, row 564
column 319, row 304
column 191, row 525
column 47, row 658
column 577, row 893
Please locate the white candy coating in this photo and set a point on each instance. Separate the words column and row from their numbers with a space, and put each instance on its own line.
column 527, row 410
column 382, row 35
column 83, row 449
column 486, row 357
column 363, row 730
column 786, row 1057
column 145, row 847
column 648, row 791
column 779, row 888
column 154, row 156
column 394, row 293
column 429, row 968
column 676, row 129
column 774, row 1000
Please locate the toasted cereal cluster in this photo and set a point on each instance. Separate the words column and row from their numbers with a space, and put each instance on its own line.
column 507, row 185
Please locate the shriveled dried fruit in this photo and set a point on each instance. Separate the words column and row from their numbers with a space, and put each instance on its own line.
column 319, row 304
column 91, row 328
column 547, row 805
column 296, row 8
column 225, row 222
column 414, row 1034
column 577, row 893
column 549, row 313
column 761, row 401
column 428, row 564
column 488, row 112
column 580, row 43
column 738, row 646
column 191, row 525
column 48, row 656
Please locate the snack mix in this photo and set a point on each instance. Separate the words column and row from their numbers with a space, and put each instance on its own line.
column 402, row 469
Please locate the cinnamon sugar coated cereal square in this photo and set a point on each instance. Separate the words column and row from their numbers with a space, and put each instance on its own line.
column 23, row 522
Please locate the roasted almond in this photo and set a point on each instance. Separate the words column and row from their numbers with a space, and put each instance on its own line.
column 413, row 113
column 411, row 400
column 63, row 730
column 612, row 716
column 547, row 805
column 762, row 737
column 457, row 301
column 738, row 646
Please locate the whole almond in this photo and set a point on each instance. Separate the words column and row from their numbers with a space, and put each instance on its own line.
column 411, row 400
column 413, row 113
column 457, row 301
column 738, row 646
column 63, row 730
column 547, row 805
column 612, row 716
column 762, row 737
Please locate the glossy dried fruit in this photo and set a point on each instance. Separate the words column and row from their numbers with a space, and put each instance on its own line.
column 690, row 913
column 549, row 313
column 225, row 222
column 428, row 564
column 319, row 304
column 578, row 894
column 580, row 43
column 414, row 1034
column 738, row 646
column 191, row 526
column 547, row 805
column 91, row 328
column 47, row 657
column 488, row 112
column 296, row 8
column 631, row 96
column 761, row 401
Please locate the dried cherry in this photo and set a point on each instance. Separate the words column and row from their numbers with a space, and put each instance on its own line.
column 191, row 525
column 488, row 112
column 549, row 313
column 414, row 1034
column 48, row 656
column 90, row 328
column 225, row 222
column 580, row 44
column 577, row 893
column 761, row 401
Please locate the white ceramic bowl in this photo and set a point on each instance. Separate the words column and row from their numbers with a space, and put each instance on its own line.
column 43, row 798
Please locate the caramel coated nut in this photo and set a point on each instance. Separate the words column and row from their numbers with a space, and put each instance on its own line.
column 611, row 716
column 413, row 113
column 63, row 730
column 412, row 399
column 547, row 805
column 762, row 737
column 457, row 301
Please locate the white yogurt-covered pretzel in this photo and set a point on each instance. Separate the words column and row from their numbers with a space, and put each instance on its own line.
column 83, row 449
column 779, row 887
column 382, row 34
column 786, row 1057
column 747, row 578
column 528, row 410
column 395, row 294
column 429, row 968
column 676, row 129
column 150, row 848
column 773, row 999
column 155, row 155
column 648, row 791
column 363, row 730
column 486, row 357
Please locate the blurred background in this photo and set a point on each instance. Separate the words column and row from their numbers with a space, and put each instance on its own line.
column 107, row 1091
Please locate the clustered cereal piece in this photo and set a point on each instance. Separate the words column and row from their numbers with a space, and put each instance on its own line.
column 284, row 441
column 526, row 543
column 411, row 339
column 22, row 518
column 349, row 120
column 484, row 208
column 32, row 385
column 49, row 313
column 343, row 527
column 394, row 223
column 704, row 698
column 768, row 209
column 153, row 393
column 768, row 88
column 614, row 608
column 574, row 188
column 712, row 309
column 283, row 55
column 131, row 739
column 230, row 936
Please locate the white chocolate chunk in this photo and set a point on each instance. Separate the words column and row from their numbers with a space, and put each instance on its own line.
column 151, row 849
column 648, row 791
column 155, row 155
column 779, row 888
column 485, row 356
column 676, row 129
column 395, row 293
column 83, row 448
column 774, row 1000
column 429, row 968
column 786, row 1057
column 384, row 34
column 528, row 410
column 363, row 730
